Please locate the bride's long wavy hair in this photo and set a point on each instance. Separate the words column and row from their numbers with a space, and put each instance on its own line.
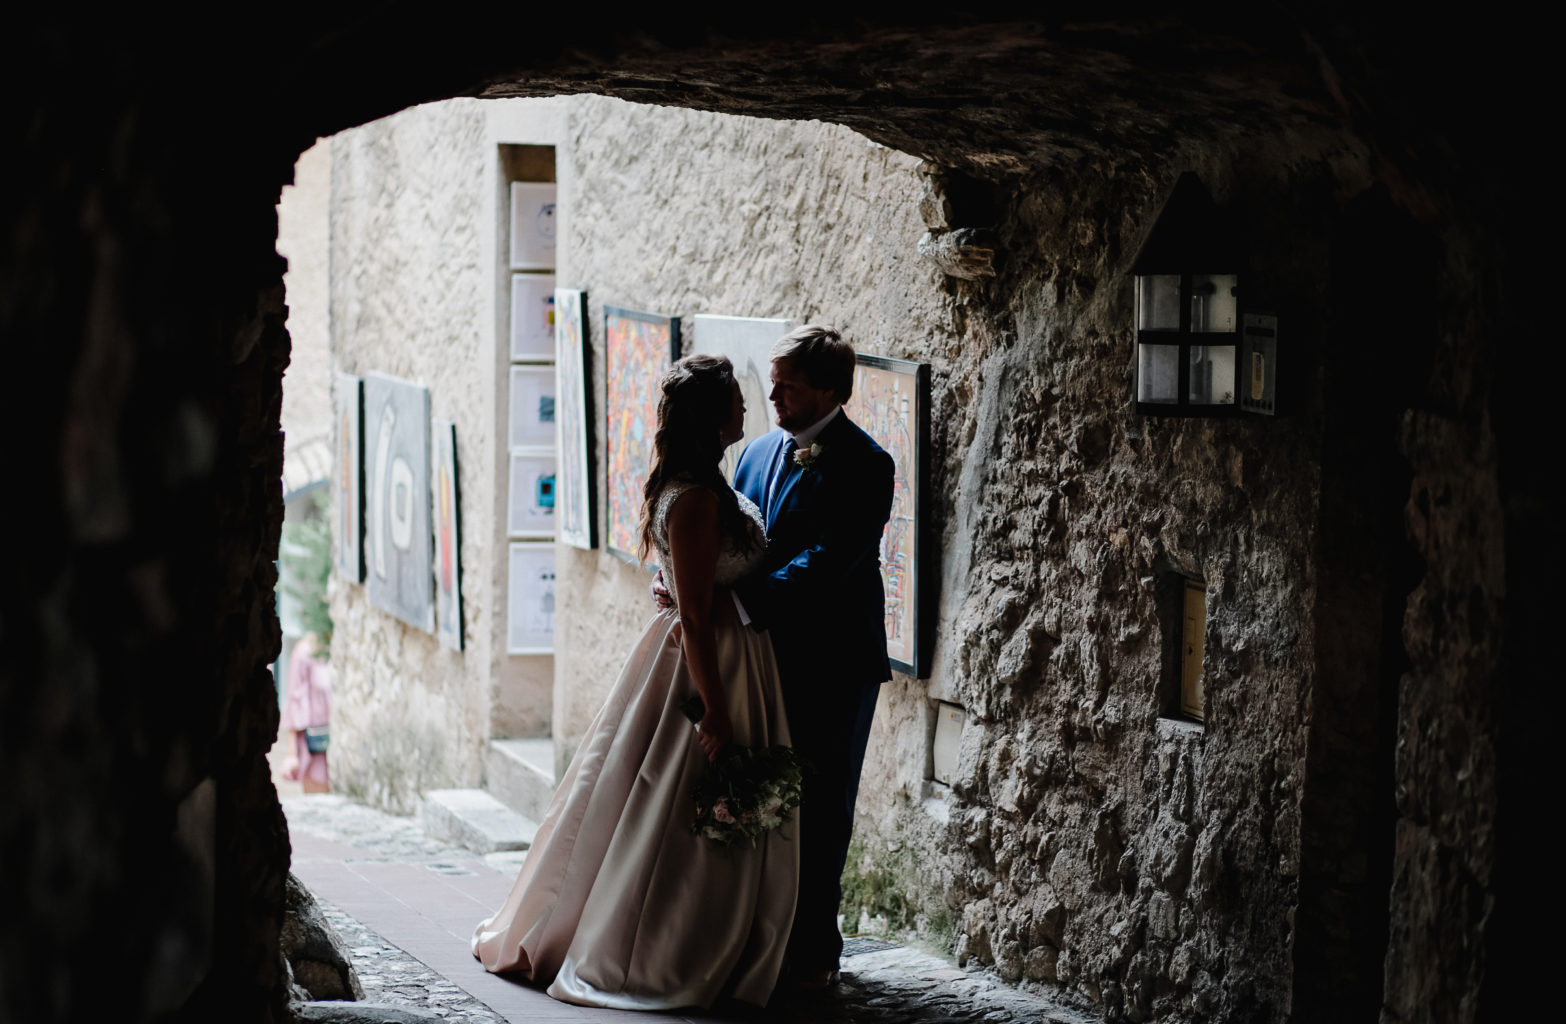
column 695, row 400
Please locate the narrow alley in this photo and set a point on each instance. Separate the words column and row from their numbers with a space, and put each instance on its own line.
column 405, row 905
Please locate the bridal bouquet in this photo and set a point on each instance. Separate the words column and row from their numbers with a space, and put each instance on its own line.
column 747, row 792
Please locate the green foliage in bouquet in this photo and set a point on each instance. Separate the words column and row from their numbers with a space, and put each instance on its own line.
column 747, row 792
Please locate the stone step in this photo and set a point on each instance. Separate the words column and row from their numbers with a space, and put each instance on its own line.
column 476, row 820
column 521, row 774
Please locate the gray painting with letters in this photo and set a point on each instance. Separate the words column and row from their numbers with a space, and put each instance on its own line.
column 397, row 531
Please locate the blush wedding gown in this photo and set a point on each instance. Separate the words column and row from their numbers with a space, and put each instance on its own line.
column 618, row 904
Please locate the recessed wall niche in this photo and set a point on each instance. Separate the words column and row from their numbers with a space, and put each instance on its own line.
column 945, row 740
column 1182, row 614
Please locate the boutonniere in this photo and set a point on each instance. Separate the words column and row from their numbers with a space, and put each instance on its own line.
column 805, row 458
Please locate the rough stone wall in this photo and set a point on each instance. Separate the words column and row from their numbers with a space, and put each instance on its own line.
column 141, row 303
column 1446, row 770
column 140, row 297
column 1089, row 844
column 1092, row 843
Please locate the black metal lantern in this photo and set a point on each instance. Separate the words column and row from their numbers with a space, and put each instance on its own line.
column 1187, row 310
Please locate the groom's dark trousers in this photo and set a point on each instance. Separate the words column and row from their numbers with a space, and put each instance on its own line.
column 820, row 598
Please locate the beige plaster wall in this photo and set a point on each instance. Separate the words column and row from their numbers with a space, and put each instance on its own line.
column 685, row 212
column 304, row 239
column 418, row 291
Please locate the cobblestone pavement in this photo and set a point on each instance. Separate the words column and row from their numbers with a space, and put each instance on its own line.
column 882, row 982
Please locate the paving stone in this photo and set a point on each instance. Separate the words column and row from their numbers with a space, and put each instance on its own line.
column 890, row 984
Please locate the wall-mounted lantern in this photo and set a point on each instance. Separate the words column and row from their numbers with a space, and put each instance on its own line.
column 1189, row 359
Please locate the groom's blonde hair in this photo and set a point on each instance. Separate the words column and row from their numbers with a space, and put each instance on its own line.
column 821, row 354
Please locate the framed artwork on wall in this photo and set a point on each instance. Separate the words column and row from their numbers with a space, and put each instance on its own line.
column 530, row 505
column 532, row 225
column 574, row 486
column 532, row 407
column 349, row 478
column 397, row 492
column 530, row 598
column 532, row 317
column 747, row 341
column 448, row 536
column 638, row 348
column 891, row 401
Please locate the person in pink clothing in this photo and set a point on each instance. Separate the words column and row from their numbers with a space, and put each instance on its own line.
column 307, row 712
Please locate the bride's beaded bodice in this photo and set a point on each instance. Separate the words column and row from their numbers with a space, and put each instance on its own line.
column 734, row 561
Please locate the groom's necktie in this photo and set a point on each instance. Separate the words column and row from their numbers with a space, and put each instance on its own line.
column 780, row 474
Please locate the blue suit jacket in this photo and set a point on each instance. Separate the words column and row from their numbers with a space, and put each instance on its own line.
column 819, row 592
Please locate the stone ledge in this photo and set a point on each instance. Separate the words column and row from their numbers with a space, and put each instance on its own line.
column 474, row 819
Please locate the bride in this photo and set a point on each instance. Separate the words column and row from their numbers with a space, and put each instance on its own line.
column 618, row 904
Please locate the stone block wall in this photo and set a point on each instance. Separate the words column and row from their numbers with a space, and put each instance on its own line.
column 1089, row 842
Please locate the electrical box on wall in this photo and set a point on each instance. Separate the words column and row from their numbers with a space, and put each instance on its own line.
column 1259, row 364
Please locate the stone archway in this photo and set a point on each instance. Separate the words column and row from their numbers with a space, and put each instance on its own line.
column 142, row 300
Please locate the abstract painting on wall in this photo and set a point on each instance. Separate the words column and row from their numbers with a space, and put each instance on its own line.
column 747, row 341
column 532, row 226
column 532, row 317
column 638, row 348
column 891, row 401
column 448, row 537
column 350, row 478
column 531, row 500
column 574, row 508
column 532, row 407
column 530, row 598
column 397, row 499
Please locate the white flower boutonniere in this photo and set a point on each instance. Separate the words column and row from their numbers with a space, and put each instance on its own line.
column 805, row 458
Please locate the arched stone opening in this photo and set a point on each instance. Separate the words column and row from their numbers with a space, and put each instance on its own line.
column 142, row 300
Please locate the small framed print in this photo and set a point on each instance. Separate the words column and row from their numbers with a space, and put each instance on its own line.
column 530, row 598
column 532, row 225
column 530, row 506
column 532, row 317
column 532, row 407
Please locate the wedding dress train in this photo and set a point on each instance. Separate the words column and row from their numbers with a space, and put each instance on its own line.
column 618, row 904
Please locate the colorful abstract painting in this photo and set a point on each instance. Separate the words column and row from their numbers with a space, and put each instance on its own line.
column 448, row 537
column 574, row 511
column 891, row 402
column 638, row 348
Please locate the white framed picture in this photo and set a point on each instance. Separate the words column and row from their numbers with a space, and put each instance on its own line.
column 532, row 407
column 530, row 506
column 532, row 225
column 574, row 484
column 530, row 598
column 532, row 317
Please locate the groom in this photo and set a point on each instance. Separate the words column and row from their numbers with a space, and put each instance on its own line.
column 825, row 491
